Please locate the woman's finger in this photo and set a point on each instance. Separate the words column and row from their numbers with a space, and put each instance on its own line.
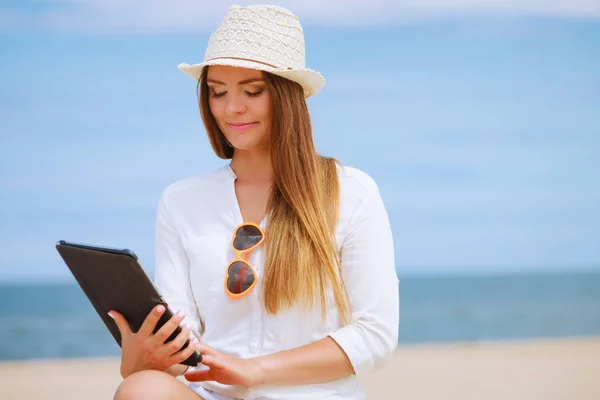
column 206, row 350
column 151, row 320
column 168, row 328
column 185, row 353
column 198, row 375
column 175, row 345
column 209, row 361
column 122, row 324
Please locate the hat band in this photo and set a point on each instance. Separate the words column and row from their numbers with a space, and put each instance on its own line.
column 246, row 59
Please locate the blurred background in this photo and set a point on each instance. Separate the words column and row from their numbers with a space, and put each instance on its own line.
column 479, row 120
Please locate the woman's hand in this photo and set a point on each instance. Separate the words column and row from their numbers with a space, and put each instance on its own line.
column 226, row 369
column 147, row 350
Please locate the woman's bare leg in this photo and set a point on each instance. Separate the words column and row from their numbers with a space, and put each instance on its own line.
column 154, row 385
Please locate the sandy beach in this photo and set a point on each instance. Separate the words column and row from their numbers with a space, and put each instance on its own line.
column 545, row 369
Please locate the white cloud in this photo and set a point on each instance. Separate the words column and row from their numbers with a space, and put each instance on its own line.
column 151, row 16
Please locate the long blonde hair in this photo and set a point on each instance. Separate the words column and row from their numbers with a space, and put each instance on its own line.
column 301, row 251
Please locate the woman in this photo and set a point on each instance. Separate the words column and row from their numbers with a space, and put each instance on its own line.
column 281, row 262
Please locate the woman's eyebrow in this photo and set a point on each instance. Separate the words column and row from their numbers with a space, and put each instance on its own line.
column 245, row 81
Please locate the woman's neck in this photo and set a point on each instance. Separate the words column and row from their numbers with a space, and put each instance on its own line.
column 252, row 166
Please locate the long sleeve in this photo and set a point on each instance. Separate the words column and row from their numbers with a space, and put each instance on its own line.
column 172, row 268
column 370, row 277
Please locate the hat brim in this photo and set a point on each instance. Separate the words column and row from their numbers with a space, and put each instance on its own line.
column 311, row 81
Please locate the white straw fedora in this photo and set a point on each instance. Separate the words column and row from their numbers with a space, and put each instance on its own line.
column 266, row 38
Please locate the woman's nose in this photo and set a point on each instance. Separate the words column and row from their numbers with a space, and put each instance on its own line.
column 235, row 105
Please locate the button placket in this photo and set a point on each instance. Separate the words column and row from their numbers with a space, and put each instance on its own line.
column 256, row 329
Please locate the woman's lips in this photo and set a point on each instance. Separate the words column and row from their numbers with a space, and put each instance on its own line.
column 241, row 127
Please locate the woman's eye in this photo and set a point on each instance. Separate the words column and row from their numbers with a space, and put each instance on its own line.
column 255, row 94
column 216, row 95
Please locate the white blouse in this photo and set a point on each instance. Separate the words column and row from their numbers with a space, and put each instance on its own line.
column 195, row 222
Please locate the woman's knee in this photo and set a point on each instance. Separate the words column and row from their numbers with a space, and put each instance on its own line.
column 147, row 384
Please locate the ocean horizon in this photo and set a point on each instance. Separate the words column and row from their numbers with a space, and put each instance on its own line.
column 56, row 320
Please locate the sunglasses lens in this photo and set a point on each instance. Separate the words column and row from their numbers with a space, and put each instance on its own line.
column 240, row 277
column 246, row 237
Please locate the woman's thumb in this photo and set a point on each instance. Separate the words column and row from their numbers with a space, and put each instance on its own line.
column 121, row 322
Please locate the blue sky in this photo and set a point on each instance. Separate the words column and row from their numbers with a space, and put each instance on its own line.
column 480, row 121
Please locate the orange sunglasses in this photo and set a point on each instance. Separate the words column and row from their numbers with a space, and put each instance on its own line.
column 241, row 276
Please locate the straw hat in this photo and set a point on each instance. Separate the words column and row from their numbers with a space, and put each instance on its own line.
column 266, row 38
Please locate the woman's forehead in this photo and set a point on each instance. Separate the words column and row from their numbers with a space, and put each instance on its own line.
column 232, row 75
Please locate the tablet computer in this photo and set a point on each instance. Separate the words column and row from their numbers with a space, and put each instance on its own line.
column 114, row 279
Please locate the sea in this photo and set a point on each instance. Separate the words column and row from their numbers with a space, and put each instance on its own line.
column 57, row 321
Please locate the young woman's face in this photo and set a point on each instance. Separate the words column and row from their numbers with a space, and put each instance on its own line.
column 241, row 105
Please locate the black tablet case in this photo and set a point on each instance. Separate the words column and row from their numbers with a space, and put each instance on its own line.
column 113, row 279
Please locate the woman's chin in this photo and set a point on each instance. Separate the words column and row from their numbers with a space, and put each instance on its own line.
column 247, row 145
